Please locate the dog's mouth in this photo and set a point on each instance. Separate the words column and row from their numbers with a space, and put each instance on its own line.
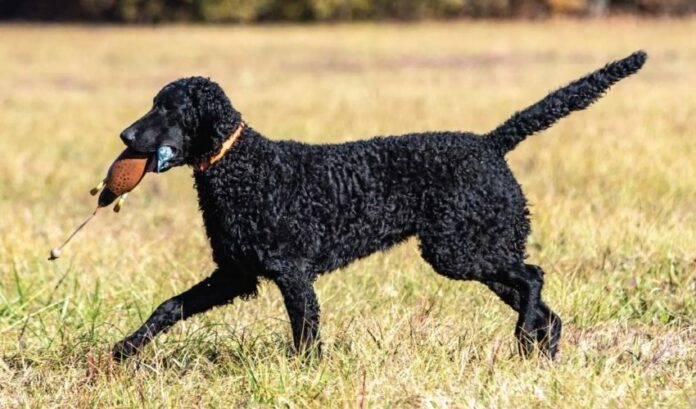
column 161, row 160
column 165, row 158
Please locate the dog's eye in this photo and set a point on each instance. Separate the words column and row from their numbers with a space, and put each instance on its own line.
column 168, row 106
column 162, row 108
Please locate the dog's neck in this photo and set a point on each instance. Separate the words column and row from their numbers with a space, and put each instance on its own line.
column 226, row 146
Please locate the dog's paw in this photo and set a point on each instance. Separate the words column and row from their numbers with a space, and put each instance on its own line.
column 124, row 350
column 549, row 335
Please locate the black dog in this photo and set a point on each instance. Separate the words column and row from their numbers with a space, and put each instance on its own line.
column 288, row 211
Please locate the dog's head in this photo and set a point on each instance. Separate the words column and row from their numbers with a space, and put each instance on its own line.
column 189, row 120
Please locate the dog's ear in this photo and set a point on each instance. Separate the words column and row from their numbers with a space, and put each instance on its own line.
column 215, row 116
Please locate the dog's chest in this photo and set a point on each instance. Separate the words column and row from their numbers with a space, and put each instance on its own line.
column 231, row 210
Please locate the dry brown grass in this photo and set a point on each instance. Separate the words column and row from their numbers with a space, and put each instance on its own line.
column 612, row 189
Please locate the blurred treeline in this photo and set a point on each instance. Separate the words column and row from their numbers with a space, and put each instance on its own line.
column 147, row 11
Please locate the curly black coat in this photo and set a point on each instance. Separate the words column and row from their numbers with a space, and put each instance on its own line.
column 288, row 211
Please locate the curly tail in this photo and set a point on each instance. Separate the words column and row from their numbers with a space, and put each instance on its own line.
column 573, row 97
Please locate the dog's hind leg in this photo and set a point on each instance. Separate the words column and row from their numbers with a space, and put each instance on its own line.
column 303, row 310
column 528, row 288
column 455, row 255
column 547, row 323
column 218, row 289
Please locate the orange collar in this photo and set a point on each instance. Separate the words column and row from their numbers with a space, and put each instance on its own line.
column 226, row 146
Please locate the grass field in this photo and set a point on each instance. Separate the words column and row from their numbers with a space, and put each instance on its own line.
column 612, row 189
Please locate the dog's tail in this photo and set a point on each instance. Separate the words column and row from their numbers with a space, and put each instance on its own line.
column 573, row 97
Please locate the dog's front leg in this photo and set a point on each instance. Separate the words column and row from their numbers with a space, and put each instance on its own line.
column 218, row 289
column 303, row 309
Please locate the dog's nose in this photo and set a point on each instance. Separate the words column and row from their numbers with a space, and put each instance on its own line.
column 128, row 136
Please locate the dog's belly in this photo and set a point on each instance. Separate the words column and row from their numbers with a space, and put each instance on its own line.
column 327, row 236
column 360, row 243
